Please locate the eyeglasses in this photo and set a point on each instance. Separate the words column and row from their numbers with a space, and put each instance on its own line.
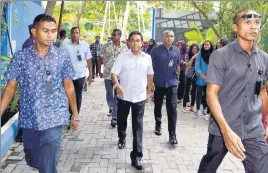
column 135, row 41
column 248, row 16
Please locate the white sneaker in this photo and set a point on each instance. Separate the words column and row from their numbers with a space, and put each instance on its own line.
column 207, row 117
column 198, row 113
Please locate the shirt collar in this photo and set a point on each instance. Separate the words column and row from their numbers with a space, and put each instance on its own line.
column 120, row 45
column 239, row 49
column 171, row 48
column 51, row 50
column 79, row 42
column 131, row 54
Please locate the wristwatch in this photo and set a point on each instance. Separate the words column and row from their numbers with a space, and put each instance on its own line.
column 76, row 118
column 116, row 85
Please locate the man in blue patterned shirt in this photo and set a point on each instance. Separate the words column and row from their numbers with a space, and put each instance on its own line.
column 44, row 74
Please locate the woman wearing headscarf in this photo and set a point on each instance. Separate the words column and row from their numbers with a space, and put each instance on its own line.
column 201, row 68
column 152, row 44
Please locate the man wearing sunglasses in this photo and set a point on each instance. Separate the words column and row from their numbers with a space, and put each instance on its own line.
column 108, row 55
column 235, row 76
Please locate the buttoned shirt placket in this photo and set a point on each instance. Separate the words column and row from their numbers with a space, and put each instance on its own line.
column 166, row 79
column 249, row 77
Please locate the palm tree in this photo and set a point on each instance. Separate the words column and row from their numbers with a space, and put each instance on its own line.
column 196, row 36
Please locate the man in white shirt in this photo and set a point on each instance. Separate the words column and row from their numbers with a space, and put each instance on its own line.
column 134, row 68
column 81, row 60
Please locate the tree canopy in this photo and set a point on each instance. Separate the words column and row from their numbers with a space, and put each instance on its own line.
column 92, row 19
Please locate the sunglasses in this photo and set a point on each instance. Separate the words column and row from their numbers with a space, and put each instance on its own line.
column 248, row 16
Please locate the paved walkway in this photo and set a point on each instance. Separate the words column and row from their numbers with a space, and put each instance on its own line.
column 93, row 148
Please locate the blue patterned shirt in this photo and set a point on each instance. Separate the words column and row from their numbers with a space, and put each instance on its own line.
column 38, row 109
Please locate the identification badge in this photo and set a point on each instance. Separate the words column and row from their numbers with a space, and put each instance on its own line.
column 171, row 62
column 79, row 57
column 49, row 84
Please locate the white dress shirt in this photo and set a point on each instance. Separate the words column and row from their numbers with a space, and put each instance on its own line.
column 82, row 48
column 132, row 71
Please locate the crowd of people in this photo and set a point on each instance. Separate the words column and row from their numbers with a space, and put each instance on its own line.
column 226, row 81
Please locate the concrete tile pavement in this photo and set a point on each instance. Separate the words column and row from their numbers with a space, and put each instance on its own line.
column 93, row 148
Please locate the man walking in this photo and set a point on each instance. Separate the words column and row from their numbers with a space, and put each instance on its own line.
column 44, row 75
column 135, row 71
column 95, row 51
column 235, row 75
column 108, row 55
column 61, row 39
column 81, row 60
column 166, row 60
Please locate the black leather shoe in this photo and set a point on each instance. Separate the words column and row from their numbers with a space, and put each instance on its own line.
column 136, row 161
column 121, row 143
column 158, row 130
column 173, row 140
column 113, row 122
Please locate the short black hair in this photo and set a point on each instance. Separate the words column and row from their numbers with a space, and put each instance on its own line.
column 75, row 27
column 183, row 47
column 62, row 33
column 43, row 18
column 30, row 28
column 118, row 31
column 224, row 41
column 135, row 33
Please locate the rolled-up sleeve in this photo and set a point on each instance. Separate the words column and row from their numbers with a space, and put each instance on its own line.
column 14, row 69
column 216, row 68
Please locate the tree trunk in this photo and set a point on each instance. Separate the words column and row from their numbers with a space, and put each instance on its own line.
column 2, row 4
column 206, row 17
column 125, row 19
column 50, row 7
column 60, row 18
column 80, row 12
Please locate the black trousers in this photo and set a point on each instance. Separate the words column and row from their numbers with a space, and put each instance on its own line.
column 94, row 67
column 201, row 97
column 137, row 110
column 181, row 86
column 256, row 155
column 78, row 86
column 171, row 106
column 188, row 83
